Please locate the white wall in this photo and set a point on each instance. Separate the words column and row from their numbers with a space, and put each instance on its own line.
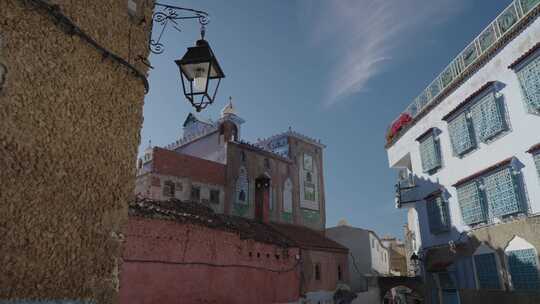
column 524, row 133
column 208, row 147
column 380, row 258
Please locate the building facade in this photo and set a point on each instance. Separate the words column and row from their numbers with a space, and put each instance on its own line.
column 277, row 181
column 289, row 166
column 397, row 253
column 469, row 166
column 368, row 256
column 71, row 103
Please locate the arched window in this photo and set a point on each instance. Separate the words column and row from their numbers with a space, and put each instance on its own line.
column 522, row 260
column 287, row 196
column 242, row 187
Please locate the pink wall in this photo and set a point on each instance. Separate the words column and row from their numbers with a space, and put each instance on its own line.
column 153, row 272
column 328, row 262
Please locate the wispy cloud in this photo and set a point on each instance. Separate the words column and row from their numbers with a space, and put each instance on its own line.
column 364, row 35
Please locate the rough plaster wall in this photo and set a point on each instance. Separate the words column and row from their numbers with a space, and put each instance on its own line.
column 69, row 131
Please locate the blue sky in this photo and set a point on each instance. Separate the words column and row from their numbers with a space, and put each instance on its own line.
column 337, row 70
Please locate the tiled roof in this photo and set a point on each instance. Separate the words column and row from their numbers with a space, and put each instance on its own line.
column 181, row 165
column 534, row 148
column 199, row 214
column 535, row 48
column 427, row 132
column 308, row 238
column 468, row 99
column 478, row 174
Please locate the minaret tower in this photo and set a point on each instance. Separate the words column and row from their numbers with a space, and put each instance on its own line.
column 229, row 124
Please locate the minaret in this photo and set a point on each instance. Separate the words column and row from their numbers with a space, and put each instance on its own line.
column 229, row 124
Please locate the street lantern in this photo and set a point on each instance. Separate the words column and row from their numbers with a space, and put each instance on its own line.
column 200, row 74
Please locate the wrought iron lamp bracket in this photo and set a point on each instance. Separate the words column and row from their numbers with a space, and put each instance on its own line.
column 166, row 15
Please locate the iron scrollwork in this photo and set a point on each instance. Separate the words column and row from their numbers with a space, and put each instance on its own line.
column 169, row 15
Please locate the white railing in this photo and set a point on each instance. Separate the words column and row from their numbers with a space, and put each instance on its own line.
column 488, row 38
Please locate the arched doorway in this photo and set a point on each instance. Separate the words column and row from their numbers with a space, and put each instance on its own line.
column 262, row 193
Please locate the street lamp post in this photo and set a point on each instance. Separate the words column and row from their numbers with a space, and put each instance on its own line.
column 200, row 72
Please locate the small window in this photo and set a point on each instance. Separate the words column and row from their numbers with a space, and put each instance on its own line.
column 486, row 271
column 317, row 272
column 524, row 269
column 529, row 79
column 242, row 196
column 488, row 117
column 372, row 243
column 430, row 153
column 168, row 189
column 179, row 186
column 461, row 134
column 267, row 163
column 339, row 273
column 437, row 208
column 195, row 193
column 473, row 210
column 243, row 156
column 214, row 197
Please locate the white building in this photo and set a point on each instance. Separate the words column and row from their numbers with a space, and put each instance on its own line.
column 467, row 150
column 368, row 257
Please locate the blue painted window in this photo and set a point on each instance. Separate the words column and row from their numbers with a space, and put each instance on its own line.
column 439, row 221
column 487, row 117
column 486, row 271
column 430, row 153
column 461, row 135
column 524, row 269
column 529, row 79
column 471, row 203
column 502, row 193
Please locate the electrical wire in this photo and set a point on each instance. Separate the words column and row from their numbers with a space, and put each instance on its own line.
column 70, row 28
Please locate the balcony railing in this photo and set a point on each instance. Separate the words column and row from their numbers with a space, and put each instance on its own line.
column 496, row 31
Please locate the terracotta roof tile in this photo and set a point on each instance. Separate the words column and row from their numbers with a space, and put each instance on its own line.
column 199, row 214
column 534, row 148
column 488, row 169
column 469, row 99
column 181, row 165
column 522, row 58
column 308, row 238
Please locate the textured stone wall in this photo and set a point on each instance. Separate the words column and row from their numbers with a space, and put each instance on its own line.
column 69, row 132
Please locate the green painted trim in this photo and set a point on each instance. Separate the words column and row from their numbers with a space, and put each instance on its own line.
column 240, row 209
column 311, row 216
column 287, row 217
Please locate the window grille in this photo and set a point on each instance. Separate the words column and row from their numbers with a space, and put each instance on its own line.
column 529, row 79
column 524, row 269
column 487, row 117
column 430, row 153
column 242, row 187
column 460, row 134
column 501, row 193
column 439, row 220
column 486, row 271
column 470, row 200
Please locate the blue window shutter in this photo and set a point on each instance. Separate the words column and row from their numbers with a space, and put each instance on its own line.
column 529, row 79
column 486, row 271
column 471, row 203
column 502, row 193
column 460, row 134
column 523, row 269
column 487, row 117
column 430, row 153
column 439, row 221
